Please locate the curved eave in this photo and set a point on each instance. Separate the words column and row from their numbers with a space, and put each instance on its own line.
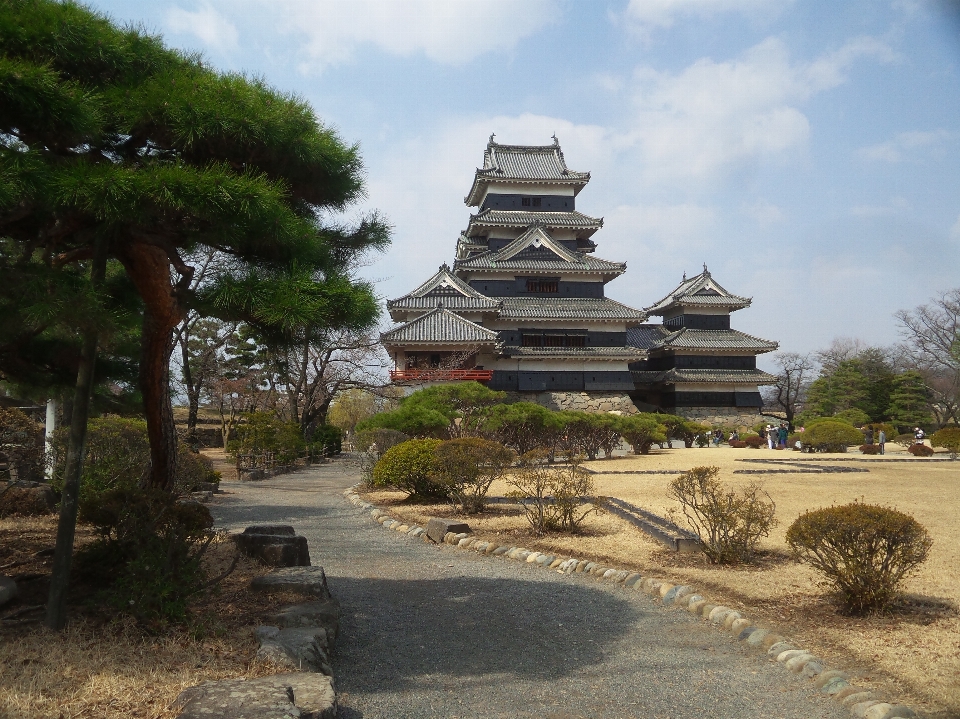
column 481, row 179
column 660, row 311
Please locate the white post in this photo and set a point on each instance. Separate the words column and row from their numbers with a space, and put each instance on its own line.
column 51, row 427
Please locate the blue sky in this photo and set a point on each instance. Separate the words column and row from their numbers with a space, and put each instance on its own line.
column 806, row 151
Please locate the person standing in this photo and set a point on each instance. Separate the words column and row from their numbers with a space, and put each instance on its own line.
column 771, row 436
column 782, row 435
column 881, row 439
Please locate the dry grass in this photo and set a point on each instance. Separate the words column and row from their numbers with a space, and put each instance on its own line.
column 106, row 667
column 911, row 652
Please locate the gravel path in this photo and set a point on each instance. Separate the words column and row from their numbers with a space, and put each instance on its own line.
column 438, row 632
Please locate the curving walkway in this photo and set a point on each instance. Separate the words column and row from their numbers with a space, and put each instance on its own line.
column 430, row 631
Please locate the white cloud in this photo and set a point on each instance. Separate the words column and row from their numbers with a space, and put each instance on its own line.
column 664, row 13
column 715, row 116
column 207, row 25
column 905, row 146
column 447, row 32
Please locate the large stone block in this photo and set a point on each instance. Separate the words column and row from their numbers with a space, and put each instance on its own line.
column 282, row 696
column 307, row 580
column 323, row 613
column 300, row 649
column 437, row 528
column 274, row 545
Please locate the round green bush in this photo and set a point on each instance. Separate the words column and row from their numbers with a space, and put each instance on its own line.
column 831, row 435
column 864, row 551
column 948, row 438
column 411, row 466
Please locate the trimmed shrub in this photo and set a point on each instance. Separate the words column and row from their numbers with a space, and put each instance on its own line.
column 148, row 554
column 263, row 432
column 372, row 444
column 587, row 433
column 116, row 456
column 642, row 431
column 467, row 467
column 870, row 448
column 905, row 440
column 830, row 435
column 863, row 551
column 412, row 467
column 738, row 443
column 854, row 416
column 193, row 470
column 524, row 426
column 754, row 442
column 683, row 429
column 949, row 439
column 553, row 498
column 920, row 450
column 728, row 524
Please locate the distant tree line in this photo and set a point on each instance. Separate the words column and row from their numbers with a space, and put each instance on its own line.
column 913, row 383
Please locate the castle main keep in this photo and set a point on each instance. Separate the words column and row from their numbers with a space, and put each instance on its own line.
column 524, row 309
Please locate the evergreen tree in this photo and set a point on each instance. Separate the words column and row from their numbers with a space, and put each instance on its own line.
column 107, row 136
column 909, row 401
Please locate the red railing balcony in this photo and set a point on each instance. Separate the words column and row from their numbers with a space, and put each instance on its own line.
column 441, row 375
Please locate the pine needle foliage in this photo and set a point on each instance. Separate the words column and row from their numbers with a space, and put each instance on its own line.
column 108, row 136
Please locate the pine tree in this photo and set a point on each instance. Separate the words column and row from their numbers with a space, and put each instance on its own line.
column 105, row 134
column 909, row 401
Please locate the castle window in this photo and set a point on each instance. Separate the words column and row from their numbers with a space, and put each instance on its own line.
column 525, row 201
column 536, row 285
column 536, row 202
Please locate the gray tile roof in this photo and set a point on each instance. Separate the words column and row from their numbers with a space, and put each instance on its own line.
column 690, row 339
column 646, row 336
column 584, row 353
column 445, row 289
column 520, row 218
column 680, row 376
column 439, row 326
column 574, row 308
column 536, row 251
column 523, row 163
column 702, row 291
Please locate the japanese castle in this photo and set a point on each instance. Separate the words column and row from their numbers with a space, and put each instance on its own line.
column 524, row 309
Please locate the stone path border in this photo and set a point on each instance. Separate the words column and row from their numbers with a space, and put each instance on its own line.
column 851, row 459
column 801, row 469
column 863, row 703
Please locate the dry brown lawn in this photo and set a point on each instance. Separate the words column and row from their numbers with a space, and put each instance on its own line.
column 105, row 667
column 911, row 653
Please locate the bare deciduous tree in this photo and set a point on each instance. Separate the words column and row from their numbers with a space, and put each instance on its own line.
column 795, row 373
column 932, row 347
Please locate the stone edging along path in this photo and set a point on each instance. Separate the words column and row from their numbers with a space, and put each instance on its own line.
column 862, row 702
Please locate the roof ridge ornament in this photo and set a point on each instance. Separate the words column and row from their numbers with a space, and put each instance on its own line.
column 490, row 141
column 706, row 272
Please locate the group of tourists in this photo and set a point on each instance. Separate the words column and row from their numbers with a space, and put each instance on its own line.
column 775, row 436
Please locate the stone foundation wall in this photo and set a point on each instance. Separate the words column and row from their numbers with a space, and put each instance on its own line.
column 580, row 401
column 725, row 416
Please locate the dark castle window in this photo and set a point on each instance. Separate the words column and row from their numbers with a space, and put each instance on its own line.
column 532, row 340
column 543, row 286
column 530, row 201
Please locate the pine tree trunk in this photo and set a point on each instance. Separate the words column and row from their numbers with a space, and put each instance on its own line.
column 56, row 616
column 149, row 268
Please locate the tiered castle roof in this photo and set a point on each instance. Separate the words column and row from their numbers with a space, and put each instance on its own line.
column 537, row 252
column 439, row 325
column 699, row 291
column 446, row 289
column 523, row 164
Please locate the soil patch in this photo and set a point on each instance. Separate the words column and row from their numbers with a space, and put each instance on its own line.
column 105, row 666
